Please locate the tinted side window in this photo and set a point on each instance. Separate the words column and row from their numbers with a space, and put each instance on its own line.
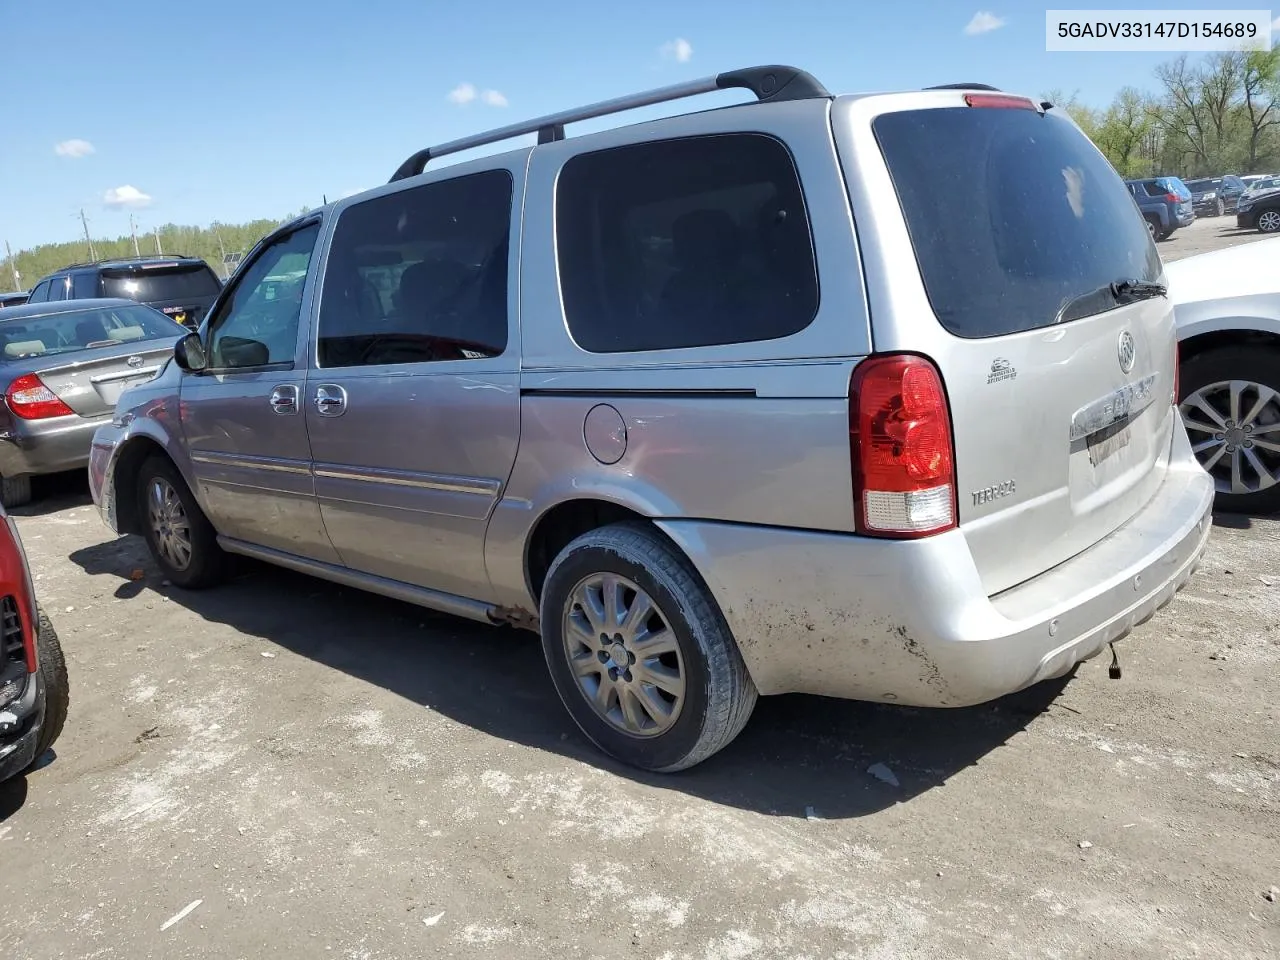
column 419, row 275
column 40, row 294
column 1154, row 190
column 84, row 286
column 58, row 288
column 257, row 323
column 684, row 243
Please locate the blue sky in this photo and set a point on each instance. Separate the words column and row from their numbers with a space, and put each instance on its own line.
column 189, row 112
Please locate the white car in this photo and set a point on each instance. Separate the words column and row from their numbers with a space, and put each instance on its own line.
column 1227, row 305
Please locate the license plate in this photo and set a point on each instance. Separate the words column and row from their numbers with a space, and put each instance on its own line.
column 111, row 390
column 1107, row 443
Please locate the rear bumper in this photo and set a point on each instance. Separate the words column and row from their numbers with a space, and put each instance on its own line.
column 908, row 621
column 48, row 446
column 18, row 747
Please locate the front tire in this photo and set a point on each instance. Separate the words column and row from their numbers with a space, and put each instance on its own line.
column 57, row 691
column 639, row 652
column 1268, row 221
column 182, row 541
column 1219, row 209
column 1230, row 404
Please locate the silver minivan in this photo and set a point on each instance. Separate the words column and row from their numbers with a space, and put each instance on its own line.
column 863, row 396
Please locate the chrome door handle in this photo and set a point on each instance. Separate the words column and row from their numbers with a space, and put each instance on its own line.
column 284, row 399
column 331, row 400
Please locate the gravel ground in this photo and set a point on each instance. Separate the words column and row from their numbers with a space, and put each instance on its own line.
column 285, row 765
column 1205, row 234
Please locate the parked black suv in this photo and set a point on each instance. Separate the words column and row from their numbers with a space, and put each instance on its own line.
column 1214, row 196
column 183, row 288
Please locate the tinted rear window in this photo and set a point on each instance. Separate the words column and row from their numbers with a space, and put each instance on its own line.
column 684, row 243
column 152, row 284
column 72, row 331
column 1012, row 215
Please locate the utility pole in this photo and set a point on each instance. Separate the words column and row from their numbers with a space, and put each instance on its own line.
column 13, row 265
column 84, row 221
column 222, row 250
column 133, row 231
column 156, row 232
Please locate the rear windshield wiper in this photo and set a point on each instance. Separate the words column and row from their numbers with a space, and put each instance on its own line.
column 1115, row 294
column 1131, row 291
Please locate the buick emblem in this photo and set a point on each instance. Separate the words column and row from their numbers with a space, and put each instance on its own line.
column 136, row 361
column 1127, row 351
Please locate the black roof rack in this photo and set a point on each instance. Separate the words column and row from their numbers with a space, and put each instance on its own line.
column 965, row 86
column 137, row 259
column 772, row 83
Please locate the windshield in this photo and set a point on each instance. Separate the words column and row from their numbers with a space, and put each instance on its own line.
column 1017, row 217
column 77, row 330
column 1270, row 183
column 153, row 284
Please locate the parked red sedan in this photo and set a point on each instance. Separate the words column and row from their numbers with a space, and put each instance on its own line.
column 33, row 675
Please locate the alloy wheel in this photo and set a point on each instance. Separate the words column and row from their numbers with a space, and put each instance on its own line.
column 624, row 655
column 1269, row 221
column 169, row 523
column 1234, row 427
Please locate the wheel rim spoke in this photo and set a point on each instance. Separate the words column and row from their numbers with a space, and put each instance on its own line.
column 1198, row 426
column 1218, row 455
column 1201, row 403
column 1206, row 445
column 623, row 655
column 1266, row 445
column 1266, row 478
column 1269, row 428
column 1237, row 482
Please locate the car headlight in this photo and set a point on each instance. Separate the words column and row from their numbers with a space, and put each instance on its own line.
column 1244, row 205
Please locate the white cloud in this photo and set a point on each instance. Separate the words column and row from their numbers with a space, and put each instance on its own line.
column 680, row 50
column 126, row 196
column 493, row 98
column 984, row 22
column 73, row 148
column 462, row 93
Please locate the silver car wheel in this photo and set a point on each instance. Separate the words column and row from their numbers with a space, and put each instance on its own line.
column 169, row 523
column 624, row 655
column 1269, row 221
column 1234, row 427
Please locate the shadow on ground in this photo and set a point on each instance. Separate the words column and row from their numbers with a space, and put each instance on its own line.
column 13, row 794
column 798, row 752
column 55, row 492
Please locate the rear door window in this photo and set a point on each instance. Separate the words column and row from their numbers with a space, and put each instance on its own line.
column 1014, row 215
column 84, row 286
column 684, row 243
column 58, row 288
column 154, row 284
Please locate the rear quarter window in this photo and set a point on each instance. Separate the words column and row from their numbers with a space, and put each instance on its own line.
column 694, row 242
column 155, row 284
column 1012, row 215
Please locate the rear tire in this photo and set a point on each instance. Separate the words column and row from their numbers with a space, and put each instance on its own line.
column 703, row 695
column 15, row 491
column 57, row 694
column 1153, row 227
column 181, row 538
column 1207, row 377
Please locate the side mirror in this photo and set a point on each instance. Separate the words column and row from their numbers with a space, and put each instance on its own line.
column 189, row 353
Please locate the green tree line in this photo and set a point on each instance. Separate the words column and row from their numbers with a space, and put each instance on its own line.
column 1214, row 116
column 209, row 243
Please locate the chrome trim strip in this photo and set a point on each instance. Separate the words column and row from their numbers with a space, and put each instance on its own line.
column 243, row 462
column 422, row 596
column 423, row 481
column 1099, row 414
column 125, row 375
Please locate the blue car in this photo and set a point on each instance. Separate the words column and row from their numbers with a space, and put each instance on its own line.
column 1165, row 203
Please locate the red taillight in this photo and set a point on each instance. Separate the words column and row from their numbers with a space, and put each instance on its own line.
column 900, row 446
column 1002, row 100
column 1172, row 198
column 30, row 399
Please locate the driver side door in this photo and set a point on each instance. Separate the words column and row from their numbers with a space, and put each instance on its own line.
column 242, row 414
